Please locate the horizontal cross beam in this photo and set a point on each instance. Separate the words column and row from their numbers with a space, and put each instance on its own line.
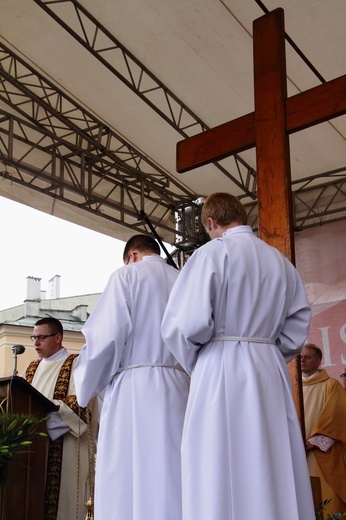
column 303, row 110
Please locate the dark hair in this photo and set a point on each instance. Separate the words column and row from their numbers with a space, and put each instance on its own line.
column 142, row 243
column 54, row 324
column 315, row 348
column 224, row 208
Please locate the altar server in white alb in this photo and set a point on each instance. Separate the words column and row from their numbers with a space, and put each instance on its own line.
column 236, row 315
column 138, row 469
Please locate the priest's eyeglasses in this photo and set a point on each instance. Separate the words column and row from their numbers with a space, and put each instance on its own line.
column 42, row 337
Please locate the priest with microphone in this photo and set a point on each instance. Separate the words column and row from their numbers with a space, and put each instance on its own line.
column 69, row 429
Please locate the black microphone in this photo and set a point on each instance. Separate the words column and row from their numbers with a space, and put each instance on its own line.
column 18, row 349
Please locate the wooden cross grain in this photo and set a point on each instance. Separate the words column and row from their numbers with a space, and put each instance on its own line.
column 268, row 129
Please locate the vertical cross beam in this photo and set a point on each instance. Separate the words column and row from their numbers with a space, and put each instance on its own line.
column 272, row 141
column 275, row 212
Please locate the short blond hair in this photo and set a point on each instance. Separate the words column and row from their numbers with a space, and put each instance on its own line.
column 224, row 208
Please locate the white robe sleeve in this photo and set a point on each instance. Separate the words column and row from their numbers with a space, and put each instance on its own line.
column 188, row 320
column 106, row 332
column 295, row 327
column 56, row 426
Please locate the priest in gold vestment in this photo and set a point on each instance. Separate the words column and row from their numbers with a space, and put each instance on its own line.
column 325, row 425
column 68, row 457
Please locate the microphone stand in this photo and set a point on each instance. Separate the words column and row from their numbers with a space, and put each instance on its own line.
column 16, row 349
column 15, row 371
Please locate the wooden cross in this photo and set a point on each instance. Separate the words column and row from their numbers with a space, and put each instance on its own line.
column 268, row 128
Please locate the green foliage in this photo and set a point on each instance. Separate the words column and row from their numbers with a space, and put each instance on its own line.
column 331, row 516
column 17, row 431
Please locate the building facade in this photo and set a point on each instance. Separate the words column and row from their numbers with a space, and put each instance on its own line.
column 17, row 323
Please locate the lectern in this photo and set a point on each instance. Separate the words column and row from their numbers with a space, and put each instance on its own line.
column 22, row 491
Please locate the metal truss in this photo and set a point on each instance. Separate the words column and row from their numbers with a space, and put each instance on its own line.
column 51, row 165
column 317, row 203
column 51, row 144
column 43, row 103
column 313, row 204
column 317, row 200
column 77, row 138
column 90, row 33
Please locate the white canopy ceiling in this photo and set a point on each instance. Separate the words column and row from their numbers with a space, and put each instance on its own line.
column 200, row 52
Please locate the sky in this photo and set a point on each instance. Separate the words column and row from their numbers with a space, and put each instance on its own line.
column 36, row 244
